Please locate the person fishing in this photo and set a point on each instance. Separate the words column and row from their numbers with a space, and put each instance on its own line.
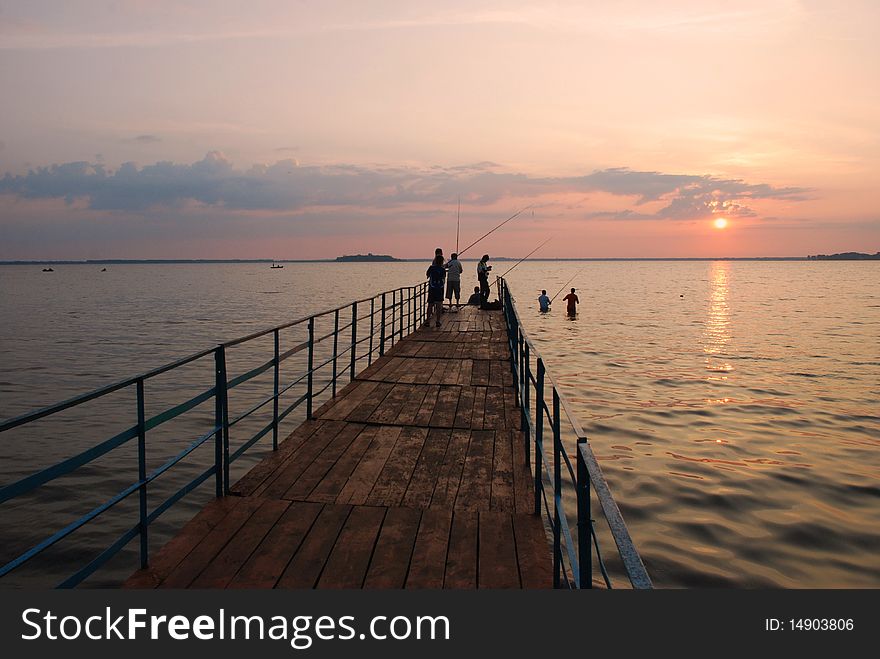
column 475, row 297
column 544, row 302
column 436, row 275
column 483, row 269
column 573, row 301
column 453, row 281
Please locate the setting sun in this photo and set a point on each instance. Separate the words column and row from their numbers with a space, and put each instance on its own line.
column 720, row 223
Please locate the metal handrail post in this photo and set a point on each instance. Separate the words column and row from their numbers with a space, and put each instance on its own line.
column 222, row 418
column 142, row 472
column 309, row 377
column 557, row 492
column 277, row 376
column 400, row 324
column 354, row 327
column 585, row 547
column 218, row 419
column 382, row 329
column 393, row 315
column 539, row 435
column 335, row 348
column 372, row 329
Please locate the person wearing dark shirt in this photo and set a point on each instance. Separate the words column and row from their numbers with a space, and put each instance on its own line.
column 573, row 301
column 475, row 298
column 436, row 275
column 483, row 269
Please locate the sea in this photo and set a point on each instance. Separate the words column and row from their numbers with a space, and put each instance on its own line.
column 732, row 405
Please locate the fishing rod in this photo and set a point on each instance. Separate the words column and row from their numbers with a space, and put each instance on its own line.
column 458, row 224
column 495, row 229
column 565, row 284
column 527, row 256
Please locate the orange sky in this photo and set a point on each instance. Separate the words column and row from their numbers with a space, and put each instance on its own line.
column 305, row 130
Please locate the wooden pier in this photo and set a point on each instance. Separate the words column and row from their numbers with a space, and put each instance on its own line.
column 413, row 476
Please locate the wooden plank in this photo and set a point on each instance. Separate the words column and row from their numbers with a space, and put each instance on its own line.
column 317, row 470
column 424, row 477
column 446, row 406
column 462, row 557
column 190, row 567
column 523, row 479
column 423, row 416
column 428, row 563
column 364, row 476
column 413, row 404
column 305, row 568
column 180, row 546
column 479, row 410
column 476, row 476
column 449, row 476
column 291, row 468
column 502, row 474
column 268, row 561
column 248, row 483
column 390, row 563
column 368, row 405
column 334, row 481
column 388, row 410
column 395, row 476
column 219, row 572
column 466, row 373
column 347, row 564
column 344, row 406
column 498, row 562
column 493, row 416
column 465, row 408
column 480, row 372
column 533, row 551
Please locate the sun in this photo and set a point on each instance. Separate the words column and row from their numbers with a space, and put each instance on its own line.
column 720, row 223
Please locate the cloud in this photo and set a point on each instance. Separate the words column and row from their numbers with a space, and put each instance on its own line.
column 148, row 139
column 288, row 186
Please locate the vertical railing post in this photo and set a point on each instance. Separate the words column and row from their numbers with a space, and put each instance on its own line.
column 335, row 348
column 539, row 435
column 221, row 422
column 142, row 471
column 400, row 329
column 275, row 395
column 372, row 329
column 309, row 374
column 393, row 315
column 557, row 493
column 527, row 372
column 354, row 334
column 585, row 547
column 382, row 329
column 412, row 310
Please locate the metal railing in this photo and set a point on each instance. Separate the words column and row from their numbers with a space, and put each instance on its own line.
column 573, row 539
column 392, row 315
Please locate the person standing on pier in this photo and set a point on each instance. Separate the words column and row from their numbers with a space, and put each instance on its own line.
column 544, row 302
column 483, row 269
column 453, row 281
column 436, row 275
column 573, row 301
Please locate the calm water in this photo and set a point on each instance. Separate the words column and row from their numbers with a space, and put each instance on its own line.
column 733, row 405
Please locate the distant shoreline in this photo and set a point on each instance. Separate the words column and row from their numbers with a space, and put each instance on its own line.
column 421, row 260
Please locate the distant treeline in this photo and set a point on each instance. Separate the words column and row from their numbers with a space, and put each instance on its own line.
column 846, row 256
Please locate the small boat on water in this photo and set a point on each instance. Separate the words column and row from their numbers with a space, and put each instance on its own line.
column 276, row 265
column 48, row 270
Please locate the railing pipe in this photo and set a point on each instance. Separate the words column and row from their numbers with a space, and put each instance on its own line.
column 382, row 329
column 354, row 327
column 142, row 473
column 538, row 418
column 311, row 363
column 335, row 348
column 557, row 491
column 275, row 387
column 584, row 524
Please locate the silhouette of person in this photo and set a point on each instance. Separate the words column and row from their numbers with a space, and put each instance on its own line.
column 544, row 302
column 573, row 301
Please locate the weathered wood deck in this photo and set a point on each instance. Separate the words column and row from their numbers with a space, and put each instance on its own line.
column 414, row 476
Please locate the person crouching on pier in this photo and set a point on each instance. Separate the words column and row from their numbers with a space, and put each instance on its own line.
column 436, row 275
column 474, row 299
